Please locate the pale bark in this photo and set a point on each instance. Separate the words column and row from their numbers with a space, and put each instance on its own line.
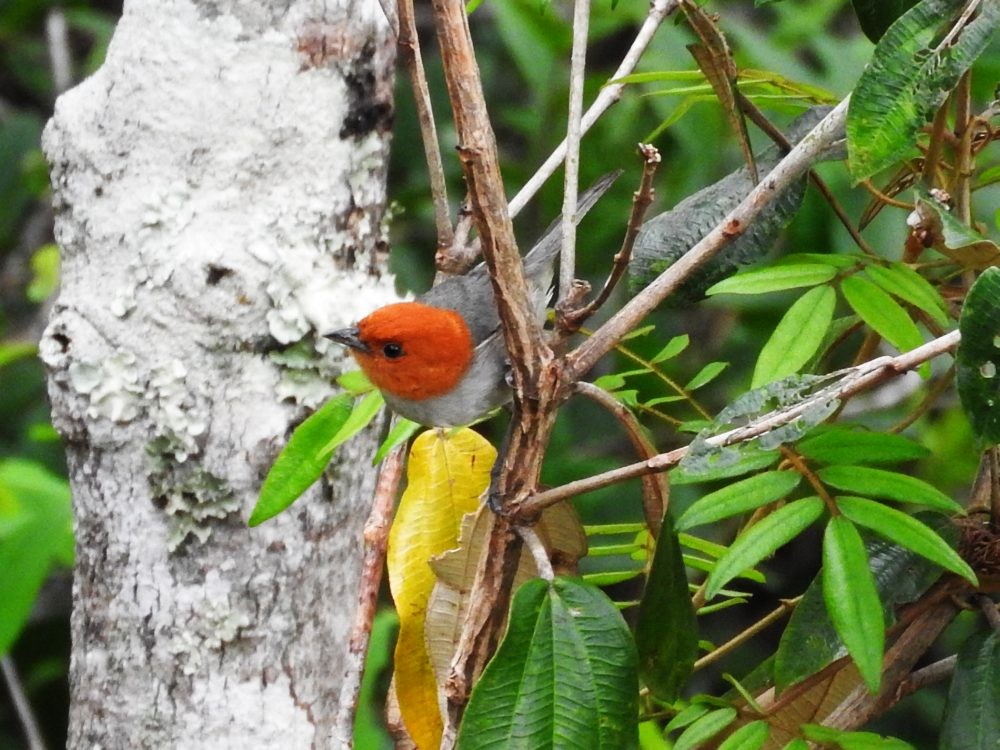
column 219, row 186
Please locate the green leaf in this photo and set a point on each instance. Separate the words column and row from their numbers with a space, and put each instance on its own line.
column 401, row 431
column 355, row 382
column 840, row 445
column 902, row 281
column 749, row 459
column 957, row 240
column 848, row 740
column 686, row 717
column 364, row 411
column 971, row 719
column 706, row 375
column 564, row 675
column 875, row 16
column 761, row 540
column 905, row 531
column 45, row 273
column 666, row 631
column 739, row 497
column 774, row 279
column 12, row 352
column 881, row 312
column 797, row 336
column 909, row 77
column 750, row 736
column 978, row 357
column 302, row 460
column 852, row 599
column 674, row 347
column 865, row 480
column 704, row 728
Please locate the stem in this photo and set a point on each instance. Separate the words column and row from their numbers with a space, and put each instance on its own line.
column 22, row 706
column 786, row 606
column 964, row 129
column 538, row 552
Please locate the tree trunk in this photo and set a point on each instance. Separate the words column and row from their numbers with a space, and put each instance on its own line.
column 219, row 187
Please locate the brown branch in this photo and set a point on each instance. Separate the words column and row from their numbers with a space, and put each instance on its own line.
column 376, row 536
column 961, row 190
column 655, row 488
column 789, row 169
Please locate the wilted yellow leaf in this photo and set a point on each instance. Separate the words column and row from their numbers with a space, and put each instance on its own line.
column 447, row 473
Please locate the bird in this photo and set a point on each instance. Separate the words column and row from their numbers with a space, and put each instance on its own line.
column 441, row 360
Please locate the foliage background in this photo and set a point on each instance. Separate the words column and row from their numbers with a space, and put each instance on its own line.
column 523, row 52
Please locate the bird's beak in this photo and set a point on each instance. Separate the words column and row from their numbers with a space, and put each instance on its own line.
column 349, row 337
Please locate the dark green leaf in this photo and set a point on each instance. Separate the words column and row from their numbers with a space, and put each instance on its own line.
column 704, row 728
column 564, row 675
column 750, row 736
column 841, row 445
column 847, row 740
column 875, row 16
column 881, row 312
column 774, row 279
column 852, row 598
column 902, row 281
column 905, row 531
column 761, row 540
column 978, row 357
column 797, row 337
column 302, row 460
column 864, row 480
column 911, row 72
column 686, row 717
column 739, row 497
column 666, row 632
column 971, row 719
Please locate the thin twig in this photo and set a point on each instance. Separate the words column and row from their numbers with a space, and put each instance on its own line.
column 409, row 49
column 538, row 552
column 932, row 674
column 376, row 536
column 961, row 190
column 22, row 706
column 989, row 609
column 656, row 490
column 853, row 381
column 57, row 40
column 611, row 93
column 571, row 187
column 786, row 606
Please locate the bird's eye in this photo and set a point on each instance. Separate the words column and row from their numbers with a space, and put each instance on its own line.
column 392, row 351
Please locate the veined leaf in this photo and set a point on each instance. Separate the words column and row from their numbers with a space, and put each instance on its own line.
column 302, row 460
column 852, row 599
column 739, row 497
column 761, row 540
column 797, row 336
column 447, row 473
column 890, row 485
column 774, row 279
column 978, row 357
column 563, row 676
column 881, row 312
column 909, row 77
column 971, row 719
column 704, row 728
column 899, row 280
column 840, row 445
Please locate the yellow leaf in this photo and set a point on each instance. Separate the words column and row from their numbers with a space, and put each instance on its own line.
column 447, row 473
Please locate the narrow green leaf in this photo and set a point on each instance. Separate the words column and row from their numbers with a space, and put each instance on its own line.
column 797, row 337
column 841, row 445
column 750, row 459
column 638, row 332
column 848, row 740
column 11, row 352
column 774, row 279
column 881, row 312
column 401, row 431
column 750, row 736
column 852, row 599
column 905, row 531
column 686, row 717
column 762, row 539
column 902, row 281
column 566, row 669
column 865, row 480
column 674, row 347
column 364, row 411
column 302, row 460
column 355, row 382
column 971, row 719
column 739, row 497
column 706, row 375
column 978, row 357
column 705, row 728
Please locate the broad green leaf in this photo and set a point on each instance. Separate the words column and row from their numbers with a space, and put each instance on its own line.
column 761, row 540
column 706, row 375
column 774, row 279
column 704, row 728
column 666, row 631
column 739, row 497
column 563, row 676
column 840, row 445
column 881, row 312
column 865, row 480
column 905, row 531
column 674, row 347
column 750, row 736
column 971, row 719
column 852, row 599
column 302, row 460
column 797, row 337
column 978, row 357
column 446, row 474
column 910, row 75
column 875, row 16
column 901, row 281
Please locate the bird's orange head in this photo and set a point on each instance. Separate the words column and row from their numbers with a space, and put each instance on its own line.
column 410, row 349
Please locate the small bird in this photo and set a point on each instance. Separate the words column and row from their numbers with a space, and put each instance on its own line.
column 441, row 360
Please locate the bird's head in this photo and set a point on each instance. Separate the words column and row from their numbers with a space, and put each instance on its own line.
column 409, row 349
